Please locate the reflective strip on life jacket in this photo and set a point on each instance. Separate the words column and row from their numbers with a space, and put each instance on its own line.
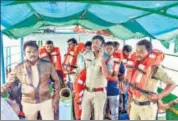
column 80, row 82
column 130, row 63
column 81, row 93
column 124, row 61
column 80, row 100
column 80, row 107
column 70, row 61
column 71, row 58
column 116, row 59
column 152, row 56
column 116, row 67
column 140, row 74
column 54, row 54
column 43, row 55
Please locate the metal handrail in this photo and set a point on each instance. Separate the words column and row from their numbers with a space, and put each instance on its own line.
column 12, row 55
column 12, row 64
column 11, row 46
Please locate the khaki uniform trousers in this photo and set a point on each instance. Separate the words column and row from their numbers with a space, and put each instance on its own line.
column 45, row 108
column 96, row 101
column 146, row 112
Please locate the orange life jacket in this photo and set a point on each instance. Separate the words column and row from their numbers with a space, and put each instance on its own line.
column 79, row 86
column 70, row 58
column 120, row 56
column 80, row 47
column 140, row 73
column 54, row 57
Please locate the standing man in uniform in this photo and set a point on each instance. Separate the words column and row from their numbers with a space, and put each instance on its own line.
column 144, row 71
column 79, row 83
column 97, row 71
column 34, row 74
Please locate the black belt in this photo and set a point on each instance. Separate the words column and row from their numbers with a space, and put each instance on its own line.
column 137, row 88
column 142, row 103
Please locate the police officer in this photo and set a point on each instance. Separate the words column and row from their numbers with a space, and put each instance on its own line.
column 97, row 70
column 144, row 106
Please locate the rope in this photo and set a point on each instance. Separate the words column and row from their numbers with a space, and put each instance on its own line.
column 170, row 68
column 171, row 55
column 173, row 110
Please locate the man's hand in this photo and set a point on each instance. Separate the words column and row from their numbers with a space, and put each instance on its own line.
column 101, row 56
column 128, row 110
column 2, row 91
column 176, row 101
column 11, row 76
column 153, row 97
column 14, row 105
column 55, row 105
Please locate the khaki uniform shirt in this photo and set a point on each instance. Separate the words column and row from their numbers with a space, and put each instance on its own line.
column 94, row 77
column 160, row 76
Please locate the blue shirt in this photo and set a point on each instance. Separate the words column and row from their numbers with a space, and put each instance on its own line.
column 112, row 89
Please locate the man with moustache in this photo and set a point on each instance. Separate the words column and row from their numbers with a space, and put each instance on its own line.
column 97, row 71
column 144, row 72
column 34, row 74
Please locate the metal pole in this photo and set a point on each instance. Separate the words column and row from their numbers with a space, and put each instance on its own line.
column 6, row 56
column 124, row 43
column 3, row 79
column 21, row 49
column 10, row 59
column 150, row 39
